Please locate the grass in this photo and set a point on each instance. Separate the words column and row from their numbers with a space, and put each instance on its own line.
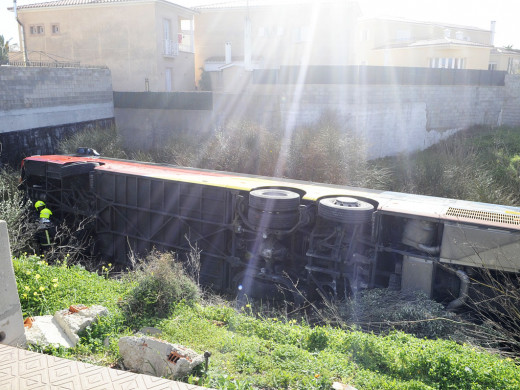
column 251, row 350
column 479, row 164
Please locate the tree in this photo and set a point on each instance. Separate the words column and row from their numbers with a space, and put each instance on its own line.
column 4, row 49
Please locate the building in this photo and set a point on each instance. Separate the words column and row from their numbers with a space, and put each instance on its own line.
column 409, row 43
column 147, row 44
column 233, row 38
column 505, row 59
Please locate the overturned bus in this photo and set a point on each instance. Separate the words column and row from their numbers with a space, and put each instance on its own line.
column 266, row 236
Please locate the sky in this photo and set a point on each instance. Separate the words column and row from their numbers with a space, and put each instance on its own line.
column 476, row 13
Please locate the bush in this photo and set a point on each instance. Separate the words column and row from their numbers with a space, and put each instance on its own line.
column 106, row 141
column 472, row 165
column 327, row 152
column 241, row 147
column 161, row 282
column 16, row 211
column 383, row 310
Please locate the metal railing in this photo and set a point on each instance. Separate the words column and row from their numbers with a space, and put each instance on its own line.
column 170, row 48
column 53, row 64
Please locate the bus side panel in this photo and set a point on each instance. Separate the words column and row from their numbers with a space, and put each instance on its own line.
column 136, row 214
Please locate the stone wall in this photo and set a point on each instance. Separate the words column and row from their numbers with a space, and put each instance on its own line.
column 511, row 107
column 34, row 97
column 16, row 145
column 40, row 105
column 390, row 119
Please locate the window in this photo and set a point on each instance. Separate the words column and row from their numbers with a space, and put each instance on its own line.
column 55, row 29
column 37, row 29
column 447, row 33
column 403, row 35
column 170, row 46
column 186, row 25
column 263, row 32
column 166, row 29
column 447, row 63
column 492, row 66
column 168, row 79
column 301, row 34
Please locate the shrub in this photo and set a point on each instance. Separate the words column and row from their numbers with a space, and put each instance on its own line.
column 327, row 152
column 383, row 310
column 106, row 141
column 161, row 282
column 241, row 147
column 477, row 164
column 16, row 211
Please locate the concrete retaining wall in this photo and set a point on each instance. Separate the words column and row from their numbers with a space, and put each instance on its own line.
column 19, row 144
column 391, row 119
column 41, row 97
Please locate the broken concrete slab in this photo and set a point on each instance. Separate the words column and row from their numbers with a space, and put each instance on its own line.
column 64, row 327
column 342, row 386
column 77, row 317
column 44, row 331
column 151, row 356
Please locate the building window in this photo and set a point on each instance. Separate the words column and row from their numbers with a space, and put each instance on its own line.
column 447, row 63
column 263, row 32
column 37, row 29
column 492, row 66
column 168, row 79
column 170, row 46
column 403, row 35
column 301, row 34
column 55, row 29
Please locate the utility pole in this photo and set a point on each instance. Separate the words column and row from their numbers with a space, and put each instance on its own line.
column 21, row 33
column 247, row 40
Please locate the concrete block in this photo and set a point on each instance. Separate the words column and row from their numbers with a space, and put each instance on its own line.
column 11, row 321
column 148, row 355
column 63, row 328
column 44, row 331
column 76, row 318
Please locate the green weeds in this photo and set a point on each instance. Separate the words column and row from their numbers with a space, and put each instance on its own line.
column 252, row 351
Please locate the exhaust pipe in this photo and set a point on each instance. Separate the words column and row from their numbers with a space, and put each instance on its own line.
column 463, row 291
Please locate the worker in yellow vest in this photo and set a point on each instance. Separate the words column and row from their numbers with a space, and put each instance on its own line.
column 44, row 236
column 45, row 213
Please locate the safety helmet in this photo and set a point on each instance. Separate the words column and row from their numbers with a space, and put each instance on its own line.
column 39, row 204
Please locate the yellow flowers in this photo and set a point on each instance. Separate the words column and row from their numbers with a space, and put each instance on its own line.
column 42, row 288
column 37, row 276
column 55, row 285
column 27, row 288
column 55, row 280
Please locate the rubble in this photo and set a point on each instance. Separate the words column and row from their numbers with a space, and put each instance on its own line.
column 64, row 327
column 151, row 356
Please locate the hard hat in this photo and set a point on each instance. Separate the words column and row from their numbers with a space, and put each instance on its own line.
column 39, row 204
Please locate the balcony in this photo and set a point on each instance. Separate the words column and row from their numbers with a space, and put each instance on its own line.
column 170, row 48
